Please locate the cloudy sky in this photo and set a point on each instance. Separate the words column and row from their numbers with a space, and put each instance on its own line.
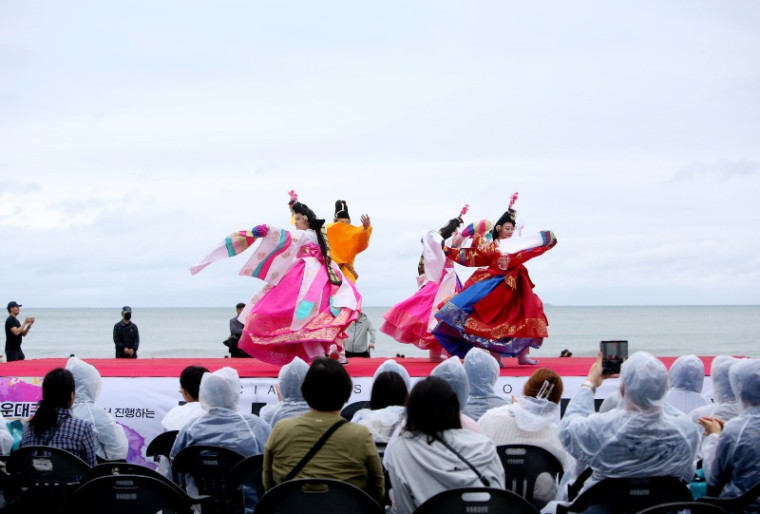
column 135, row 135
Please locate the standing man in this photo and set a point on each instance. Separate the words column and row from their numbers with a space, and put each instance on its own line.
column 347, row 241
column 125, row 335
column 14, row 332
column 361, row 337
column 236, row 331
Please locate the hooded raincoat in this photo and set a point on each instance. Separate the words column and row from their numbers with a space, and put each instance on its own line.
column 687, row 376
column 732, row 459
column 482, row 371
column 289, row 380
column 640, row 439
column 382, row 423
column 452, row 371
column 110, row 440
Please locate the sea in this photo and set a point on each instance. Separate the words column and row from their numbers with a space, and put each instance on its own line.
column 199, row 332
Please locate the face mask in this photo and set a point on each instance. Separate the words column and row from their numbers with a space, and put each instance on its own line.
column 127, row 316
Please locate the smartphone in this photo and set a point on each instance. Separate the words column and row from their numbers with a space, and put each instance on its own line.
column 613, row 355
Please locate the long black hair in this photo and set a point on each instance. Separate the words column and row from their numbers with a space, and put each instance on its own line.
column 57, row 389
column 431, row 408
column 388, row 389
column 318, row 226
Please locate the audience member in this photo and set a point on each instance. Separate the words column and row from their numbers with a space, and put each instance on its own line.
column 110, row 440
column 53, row 424
column 725, row 405
column 687, row 376
column 638, row 439
column 482, row 371
column 289, row 392
column 6, row 439
column 452, row 371
column 223, row 425
column 348, row 454
column 189, row 386
column 533, row 419
column 386, row 406
column 732, row 450
column 433, row 453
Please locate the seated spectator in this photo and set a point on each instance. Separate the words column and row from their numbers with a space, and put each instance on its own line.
column 53, row 424
column 189, row 384
column 482, row 371
column 732, row 450
column 638, row 439
column 533, row 419
column 433, row 453
column 6, row 439
column 392, row 365
column 289, row 390
column 687, row 376
column 725, row 406
column 110, row 440
column 349, row 454
column 452, row 371
column 223, row 425
column 386, row 406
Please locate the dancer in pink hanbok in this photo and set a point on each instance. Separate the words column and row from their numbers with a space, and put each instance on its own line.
column 305, row 305
column 412, row 320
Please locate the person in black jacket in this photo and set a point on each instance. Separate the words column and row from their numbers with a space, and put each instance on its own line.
column 126, row 336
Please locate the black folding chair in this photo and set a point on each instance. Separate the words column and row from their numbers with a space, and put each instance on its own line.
column 683, row 508
column 317, row 495
column 476, row 499
column 128, row 494
column 243, row 481
column 161, row 444
column 45, row 476
column 349, row 410
column 629, row 495
column 523, row 464
column 209, row 467
column 736, row 504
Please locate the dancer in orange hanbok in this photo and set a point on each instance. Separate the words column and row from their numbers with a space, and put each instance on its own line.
column 497, row 310
column 305, row 305
column 346, row 240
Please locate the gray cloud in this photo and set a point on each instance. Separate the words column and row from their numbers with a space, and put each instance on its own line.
column 722, row 171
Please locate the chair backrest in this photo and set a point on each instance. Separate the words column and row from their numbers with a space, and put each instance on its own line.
column 349, row 410
column 161, row 444
column 45, row 475
column 8, row 492
column 124, row 468
column 246, row 474
column 317, row 495
column 737, row 503
column 629, row 495
column 476, row 499
column 683, row 507
column 127, row 494
column 209, row 467
column 522, row 465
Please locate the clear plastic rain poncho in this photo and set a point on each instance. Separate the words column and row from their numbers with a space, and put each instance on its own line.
column 110, row 440
column 725, row 406
column 732, row 460
column 639, row 439
column 452, row 371
column 482, row 371
column 687, row 376
column 223, row 425
column 382, row 423
column 289, row 380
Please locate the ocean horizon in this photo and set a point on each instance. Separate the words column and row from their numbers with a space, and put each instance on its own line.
column 199, row 331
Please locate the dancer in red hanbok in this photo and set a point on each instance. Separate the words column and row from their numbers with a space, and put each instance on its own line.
column 497, row 310
column 305, row 305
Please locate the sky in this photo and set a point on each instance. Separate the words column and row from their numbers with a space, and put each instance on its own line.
column 134, row 136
